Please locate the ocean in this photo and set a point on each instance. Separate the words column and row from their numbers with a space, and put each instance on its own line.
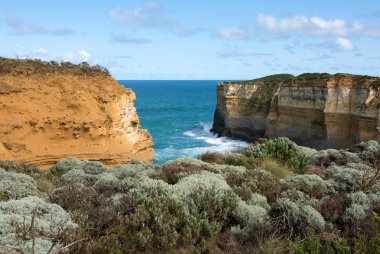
column 179, row 115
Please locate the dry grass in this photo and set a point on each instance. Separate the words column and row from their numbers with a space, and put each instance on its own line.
column 213, row 157
column 276, row 168
column 45, row 185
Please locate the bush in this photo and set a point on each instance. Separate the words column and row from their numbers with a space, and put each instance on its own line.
column 65, row 165
column 133, row 169
column 19, row 167
column 258, row 200
column 17, row 186
column 358, row 207
column 78, row 176
column 94, row 167
column 348, row 178
column 299, row 197
column 312, row 185
column 339, row 157
column 250, row 218
column 283, row 149
column 295, row 217
column 156, row 217
column 208, row 202
column 251, row 181
column 236, row 159
column 33, row 226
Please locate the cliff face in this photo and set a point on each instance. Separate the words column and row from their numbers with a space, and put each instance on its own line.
column 316, row 110
column 60, row 112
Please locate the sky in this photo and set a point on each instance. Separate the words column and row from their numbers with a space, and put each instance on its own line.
column 198, row 39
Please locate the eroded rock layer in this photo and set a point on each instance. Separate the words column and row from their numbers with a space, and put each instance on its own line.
column 50, row 112
column 316, row 110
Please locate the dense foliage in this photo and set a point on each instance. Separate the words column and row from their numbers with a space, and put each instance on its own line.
column 273, row 197
column 36, row 66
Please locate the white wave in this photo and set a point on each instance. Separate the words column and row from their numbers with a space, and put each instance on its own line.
column 190, row 134
column 212, row 143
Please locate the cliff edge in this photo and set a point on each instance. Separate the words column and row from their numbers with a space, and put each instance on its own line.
column 49, row 111
column 314, row 109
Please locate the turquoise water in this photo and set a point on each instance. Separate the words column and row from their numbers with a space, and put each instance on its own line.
column 179, row 115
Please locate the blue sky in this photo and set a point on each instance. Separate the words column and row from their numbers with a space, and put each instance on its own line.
column 197, row 39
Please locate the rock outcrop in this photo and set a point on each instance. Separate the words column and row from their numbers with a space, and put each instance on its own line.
column 49, row 112
column 316, row 110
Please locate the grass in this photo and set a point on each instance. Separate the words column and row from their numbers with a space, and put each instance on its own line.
column 276, row 168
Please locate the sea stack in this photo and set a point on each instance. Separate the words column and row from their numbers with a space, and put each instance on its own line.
column 50, row 111
column 314, row 109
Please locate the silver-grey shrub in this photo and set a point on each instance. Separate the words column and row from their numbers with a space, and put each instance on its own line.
column 328, row 156
column 122, row 171
column 94, row 167
column 358, row 207
column 50, row 221
column 348, row 177
column 78, row 176
column 313, row 185
column 258, row 200
column 250, row 218
column 300, row 217
column 16, row 185
column 65, row 165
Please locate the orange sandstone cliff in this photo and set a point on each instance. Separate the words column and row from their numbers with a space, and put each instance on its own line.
column 314, row 109
column 50, row 111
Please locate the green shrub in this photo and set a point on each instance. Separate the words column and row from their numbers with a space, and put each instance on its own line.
column 236, row 159
column 283, row 149
column 310, row 245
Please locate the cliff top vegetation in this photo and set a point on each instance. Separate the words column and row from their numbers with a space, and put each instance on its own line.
column 36, row 66
column 277, row 79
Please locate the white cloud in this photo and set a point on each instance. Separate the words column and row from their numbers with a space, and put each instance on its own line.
column 43, row 54
column 84, row 54
column 149, row 15
column 232, row 33
column 344, row 44
column 300, row 25
column 76, row 56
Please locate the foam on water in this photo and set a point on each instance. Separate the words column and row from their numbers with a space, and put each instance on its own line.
column 210, row 143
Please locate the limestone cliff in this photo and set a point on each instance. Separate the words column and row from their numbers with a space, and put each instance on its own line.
column 316, row 110
column 50, row 111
